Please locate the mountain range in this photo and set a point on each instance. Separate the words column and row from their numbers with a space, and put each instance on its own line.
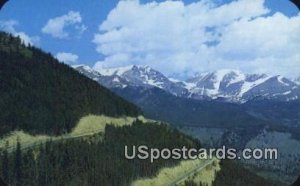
column 226, row 85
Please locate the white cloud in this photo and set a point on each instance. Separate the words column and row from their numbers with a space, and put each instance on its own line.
column 67, row 58
column 9, row 26
column 57, row 27
column 177, row 38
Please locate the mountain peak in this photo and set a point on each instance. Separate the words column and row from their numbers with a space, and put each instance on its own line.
column 114, row 71
column 86, row 67
column 218, row 75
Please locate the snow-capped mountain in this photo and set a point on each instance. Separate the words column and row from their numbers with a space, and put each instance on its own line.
column 234, row 85
column 222, row 83
column 110, row 81
column 133, row 76
column 228, row 85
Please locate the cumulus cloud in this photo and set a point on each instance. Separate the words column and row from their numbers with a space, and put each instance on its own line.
column 9, row 26
column 60, row 27
column 181, row 38
column 67, row 58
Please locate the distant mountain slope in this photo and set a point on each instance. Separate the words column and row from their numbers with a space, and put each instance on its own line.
column 162, row 105
column 227, row 85
column 40, row 95
column 286, row 113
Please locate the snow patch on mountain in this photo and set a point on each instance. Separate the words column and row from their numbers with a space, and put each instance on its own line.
column 249, row 85
column 281, row 80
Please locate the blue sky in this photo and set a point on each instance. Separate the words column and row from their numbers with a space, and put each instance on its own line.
column 29, row 19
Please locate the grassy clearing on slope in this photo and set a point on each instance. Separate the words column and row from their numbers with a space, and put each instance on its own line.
column 207, row 175
column 87, row 125
column 93, row 123
column 167, row 175
column 24, row 138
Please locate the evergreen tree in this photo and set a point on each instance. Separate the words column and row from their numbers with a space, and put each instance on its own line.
column 5, row 166
column 18, row 165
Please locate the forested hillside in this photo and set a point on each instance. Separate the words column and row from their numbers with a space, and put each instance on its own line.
column 40, row 95
column 97, row 160
column 233, row 174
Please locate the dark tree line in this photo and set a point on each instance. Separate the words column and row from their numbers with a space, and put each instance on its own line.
column 40, row 95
